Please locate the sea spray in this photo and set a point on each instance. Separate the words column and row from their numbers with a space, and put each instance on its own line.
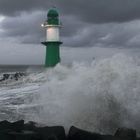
column 98, row 97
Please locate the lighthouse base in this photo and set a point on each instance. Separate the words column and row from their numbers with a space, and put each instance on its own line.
column 52, row 53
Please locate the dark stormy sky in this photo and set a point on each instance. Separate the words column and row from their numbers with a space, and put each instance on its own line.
column 86, row 23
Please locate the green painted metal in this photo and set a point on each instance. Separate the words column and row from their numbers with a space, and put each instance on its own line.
column 52, row 53
column 52, row 13
column 52, row 17
column 53, row 21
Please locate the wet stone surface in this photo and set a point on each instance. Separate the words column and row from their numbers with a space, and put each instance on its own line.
column 30, row 131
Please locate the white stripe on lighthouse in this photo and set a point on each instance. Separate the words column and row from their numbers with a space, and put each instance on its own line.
column 52, row 33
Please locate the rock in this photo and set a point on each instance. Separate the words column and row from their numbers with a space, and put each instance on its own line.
column 110, row 137
column 6, row 126
column 17, row 126
column 14, row 76
column 4, row 136
column 30, row 126
column 126, row 133
column 51, row 133
column 5, row 76
column 24, row 135
column 79, row 134
column 29, row 131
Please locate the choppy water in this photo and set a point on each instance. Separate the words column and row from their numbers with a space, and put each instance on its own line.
column 99, row 96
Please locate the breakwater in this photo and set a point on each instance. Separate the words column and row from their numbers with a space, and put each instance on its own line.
column 31, row 131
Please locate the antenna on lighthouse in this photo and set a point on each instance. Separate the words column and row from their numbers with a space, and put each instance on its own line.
column 53, row 6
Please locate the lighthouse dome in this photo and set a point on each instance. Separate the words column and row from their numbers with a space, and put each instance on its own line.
column 53, row 13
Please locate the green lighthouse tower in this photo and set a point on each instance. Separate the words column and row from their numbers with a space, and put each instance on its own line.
column 52, row 43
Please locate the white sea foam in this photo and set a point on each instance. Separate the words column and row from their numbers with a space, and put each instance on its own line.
column 100, row 96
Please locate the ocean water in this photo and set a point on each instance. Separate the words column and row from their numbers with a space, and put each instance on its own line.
column 99, row 96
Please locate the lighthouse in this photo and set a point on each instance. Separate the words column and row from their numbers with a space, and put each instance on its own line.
column 52, row 26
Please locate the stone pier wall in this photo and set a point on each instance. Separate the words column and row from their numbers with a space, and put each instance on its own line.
column 30, row 131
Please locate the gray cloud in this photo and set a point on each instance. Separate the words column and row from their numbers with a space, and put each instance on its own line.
column 26, row 29
column 15, row 7
column 101, row 11
column 98, row 11
column 123, row 35
column 110, row 23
